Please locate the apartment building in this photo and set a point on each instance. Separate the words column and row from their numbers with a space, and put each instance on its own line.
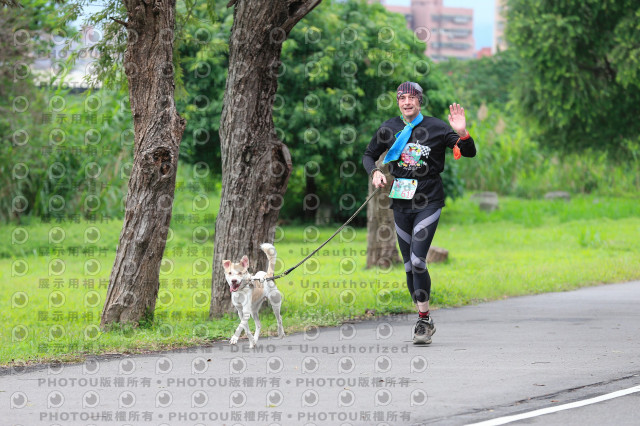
column 499, row 42
column 448, row 31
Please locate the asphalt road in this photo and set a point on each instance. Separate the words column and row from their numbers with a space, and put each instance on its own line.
column 486, row 361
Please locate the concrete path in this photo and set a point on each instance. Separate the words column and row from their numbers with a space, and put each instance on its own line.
column 486, row 361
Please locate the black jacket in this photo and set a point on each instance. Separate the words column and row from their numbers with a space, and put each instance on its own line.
column 422, row 158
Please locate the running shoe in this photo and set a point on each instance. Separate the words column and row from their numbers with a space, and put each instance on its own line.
column 423, row 331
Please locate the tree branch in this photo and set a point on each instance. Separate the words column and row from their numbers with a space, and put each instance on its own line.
column 232, row 3
column 11, row 3
column 297, row 10
column 124, row 24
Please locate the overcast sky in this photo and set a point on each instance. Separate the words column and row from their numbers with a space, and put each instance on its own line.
column 482, row 17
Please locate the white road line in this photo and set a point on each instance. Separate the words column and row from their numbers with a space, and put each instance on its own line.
column 542, row 411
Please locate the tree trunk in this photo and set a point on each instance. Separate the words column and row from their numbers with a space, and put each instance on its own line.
column 255, row 164
column 148, row 64
column 381, row 234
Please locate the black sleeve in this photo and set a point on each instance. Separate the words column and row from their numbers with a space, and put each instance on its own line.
column 379, row 143
column 467, row 146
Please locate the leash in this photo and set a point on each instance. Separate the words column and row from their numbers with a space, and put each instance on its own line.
column 330, row 238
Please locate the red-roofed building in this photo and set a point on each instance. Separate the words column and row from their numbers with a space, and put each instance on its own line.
column 485, row 51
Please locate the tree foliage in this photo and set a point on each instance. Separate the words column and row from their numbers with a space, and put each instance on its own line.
column 579, row 68
column 340, row 67
column 340, row 70
column 27, row 34
column 203, row 56
column 487, row 80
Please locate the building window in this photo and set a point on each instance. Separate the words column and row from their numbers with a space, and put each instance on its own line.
column 461, row 19
column 450, row 45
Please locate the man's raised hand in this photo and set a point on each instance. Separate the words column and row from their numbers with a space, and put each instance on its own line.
column 456, row 119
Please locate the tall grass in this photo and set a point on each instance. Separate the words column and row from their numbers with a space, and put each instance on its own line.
column 72, row 156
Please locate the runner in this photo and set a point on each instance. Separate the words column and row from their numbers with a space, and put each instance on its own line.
column 416, row 156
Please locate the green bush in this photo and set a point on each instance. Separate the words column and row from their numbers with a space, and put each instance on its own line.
column 510, row 162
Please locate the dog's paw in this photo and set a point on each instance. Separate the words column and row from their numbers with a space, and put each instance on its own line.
column 281, row 333
column 233, row 340
column 252, row 343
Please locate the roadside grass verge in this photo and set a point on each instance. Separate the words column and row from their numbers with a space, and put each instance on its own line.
column 526, row 247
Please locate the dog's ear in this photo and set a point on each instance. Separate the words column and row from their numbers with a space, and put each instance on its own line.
column 245, row 261
column 226, row 264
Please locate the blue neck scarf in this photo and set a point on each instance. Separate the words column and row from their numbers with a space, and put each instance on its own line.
column 402, row 139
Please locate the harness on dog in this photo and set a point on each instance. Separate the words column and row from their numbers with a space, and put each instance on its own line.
column 330, row 238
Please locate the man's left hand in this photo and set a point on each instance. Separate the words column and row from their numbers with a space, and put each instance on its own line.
column 456, row 119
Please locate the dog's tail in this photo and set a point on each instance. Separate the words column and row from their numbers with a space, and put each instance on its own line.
column 271, row 253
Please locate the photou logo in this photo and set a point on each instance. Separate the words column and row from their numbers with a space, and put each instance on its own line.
column 18, row 400
column 19, row 300
column 92, row 267
column 55, row 399
column 19, row 236
column 200, row 299
column 90, row 399
column 55, row 369
column 19, row 333
column 237, row 399
column 310, row 364
column 382, row 364
column 200, row 266
column 274, row 398
column 384, row 331
column 19, row 268
column 418, row 364
column 346, row 398
column 91, row 299
column 237, row 365
column 163, row 399
column 165, row 297
column 163, row 365
column 347, row 331
column 199, row 365
column 418, row 397
column 92, row 332
column 346, row 364
column 90, row 366
column 199, row 399
column 274, row 364
column 126, row 400
column 126, row 366
column 56, row 235
column 91, row 235
column 311, row 332
column 382, row 397
column 310, row 398
column 56, row 299
column 57, row 267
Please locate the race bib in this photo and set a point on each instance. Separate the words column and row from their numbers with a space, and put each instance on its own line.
column 403, row 189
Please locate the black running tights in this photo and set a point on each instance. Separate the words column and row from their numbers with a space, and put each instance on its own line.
column 415, row 233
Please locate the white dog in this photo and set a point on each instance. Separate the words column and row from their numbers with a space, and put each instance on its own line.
column 248, row 292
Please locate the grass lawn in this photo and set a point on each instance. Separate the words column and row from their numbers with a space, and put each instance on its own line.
column 51, row 301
